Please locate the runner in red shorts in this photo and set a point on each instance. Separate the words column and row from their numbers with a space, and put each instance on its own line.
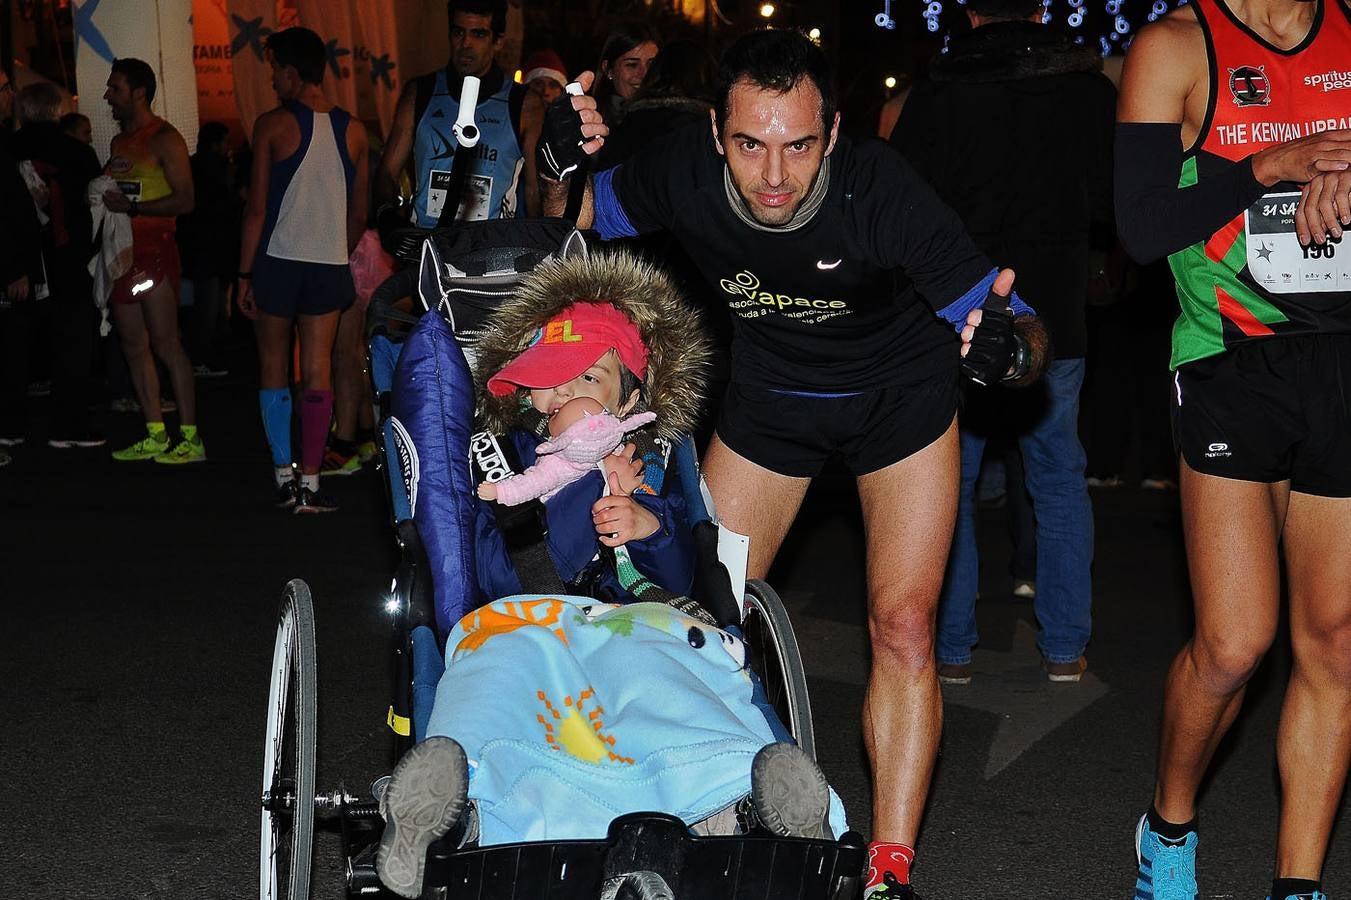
column 149, row 162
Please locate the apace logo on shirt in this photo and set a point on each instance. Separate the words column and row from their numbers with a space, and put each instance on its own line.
column 1249, row 86
column 747, row 285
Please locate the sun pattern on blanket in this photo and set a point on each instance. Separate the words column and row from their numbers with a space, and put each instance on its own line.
column 488, row 621
column 579, row 732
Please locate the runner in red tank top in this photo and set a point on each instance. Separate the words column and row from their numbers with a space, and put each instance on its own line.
column 1234, row 159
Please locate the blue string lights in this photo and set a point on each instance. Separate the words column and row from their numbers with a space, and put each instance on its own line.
column 1108, row 23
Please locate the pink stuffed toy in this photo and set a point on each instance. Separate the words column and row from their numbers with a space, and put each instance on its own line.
column 583, row 434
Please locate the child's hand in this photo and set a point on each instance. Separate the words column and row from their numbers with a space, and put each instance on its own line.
column 487, row 491
column 619, row 518
column 629, row 470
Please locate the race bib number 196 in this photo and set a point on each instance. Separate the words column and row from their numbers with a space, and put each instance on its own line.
column 1278, row 262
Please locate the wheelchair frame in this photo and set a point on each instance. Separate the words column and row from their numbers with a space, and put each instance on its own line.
column 641, row 850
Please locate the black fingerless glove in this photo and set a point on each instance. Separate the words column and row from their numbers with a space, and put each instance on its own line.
column 994, row 343
column 559, row 152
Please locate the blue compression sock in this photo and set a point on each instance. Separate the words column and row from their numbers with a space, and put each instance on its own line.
column 275, row 404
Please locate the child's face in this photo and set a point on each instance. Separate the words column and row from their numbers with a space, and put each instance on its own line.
column 600, row 383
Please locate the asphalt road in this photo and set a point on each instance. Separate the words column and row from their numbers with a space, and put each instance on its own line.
column 141, row 600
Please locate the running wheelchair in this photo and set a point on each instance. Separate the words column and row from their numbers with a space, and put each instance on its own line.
column 644, row 856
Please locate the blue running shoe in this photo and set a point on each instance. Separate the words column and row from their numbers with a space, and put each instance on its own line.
column 1167, row 870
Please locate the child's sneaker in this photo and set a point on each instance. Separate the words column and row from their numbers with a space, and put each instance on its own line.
column 184, row 451
column 422, row 801
column 789, row 792
column 1167, row 868
column 366, row 450
column 147, row 447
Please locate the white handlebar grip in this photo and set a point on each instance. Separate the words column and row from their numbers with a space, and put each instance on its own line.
column 466, row 132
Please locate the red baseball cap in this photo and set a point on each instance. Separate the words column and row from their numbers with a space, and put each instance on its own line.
column 569, row 344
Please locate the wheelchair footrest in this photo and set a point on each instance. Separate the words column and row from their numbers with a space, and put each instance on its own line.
column 740, row 867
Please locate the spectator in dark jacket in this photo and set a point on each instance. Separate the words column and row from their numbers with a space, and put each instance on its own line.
column 677, row 90
column 208, row 243
column 18, row 251
column 624, row 61
column 66, row 167
column 1014, row 130
column 78, row 126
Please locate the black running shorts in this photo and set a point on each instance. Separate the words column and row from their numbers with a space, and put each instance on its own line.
column 288, row 287
column 1271, row 410
column 794, row 434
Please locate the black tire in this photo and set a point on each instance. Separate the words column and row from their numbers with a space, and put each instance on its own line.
column 776, row 659
column 287, row 840
column 638, row 886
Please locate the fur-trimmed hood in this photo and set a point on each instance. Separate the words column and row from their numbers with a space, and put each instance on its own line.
column 677, row 346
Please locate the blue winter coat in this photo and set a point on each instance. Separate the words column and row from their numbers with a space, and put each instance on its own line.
column 666, row 558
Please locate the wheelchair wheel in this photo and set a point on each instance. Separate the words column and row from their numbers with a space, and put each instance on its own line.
column 637, row 886
column 287, row 845
column 775, row 657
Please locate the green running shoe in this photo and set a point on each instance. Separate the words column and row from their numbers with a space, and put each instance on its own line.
column 183, row 452
column 147, row 447
column 337, row 464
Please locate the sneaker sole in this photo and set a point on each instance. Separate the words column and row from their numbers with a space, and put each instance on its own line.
column 424, row 799
column 301, row 509
column 1065, row 679
column 954, row 679
column 789, row 792
column 145, row 458
column 344, row 471
column 67, row 445
column 1139, row 833
column 175, row 461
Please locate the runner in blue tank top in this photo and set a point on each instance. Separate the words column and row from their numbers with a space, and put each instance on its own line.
column 306, row 212
column 500, row 182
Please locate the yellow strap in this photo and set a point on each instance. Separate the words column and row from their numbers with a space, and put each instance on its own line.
column 400, row 725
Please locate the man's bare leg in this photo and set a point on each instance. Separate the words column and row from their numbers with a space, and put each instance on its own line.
column 135, row 340
column 160, row 308
column 1314, row 741
column 1232, row 530
column 909, row 509
column 349, row 382
column 752, row 500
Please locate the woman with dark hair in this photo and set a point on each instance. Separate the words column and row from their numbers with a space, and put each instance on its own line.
column 624, row 60
column 678, row 90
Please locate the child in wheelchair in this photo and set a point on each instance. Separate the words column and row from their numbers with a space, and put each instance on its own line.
column 557, row 713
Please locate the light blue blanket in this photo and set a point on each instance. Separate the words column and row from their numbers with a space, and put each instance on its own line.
column 574, row 712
